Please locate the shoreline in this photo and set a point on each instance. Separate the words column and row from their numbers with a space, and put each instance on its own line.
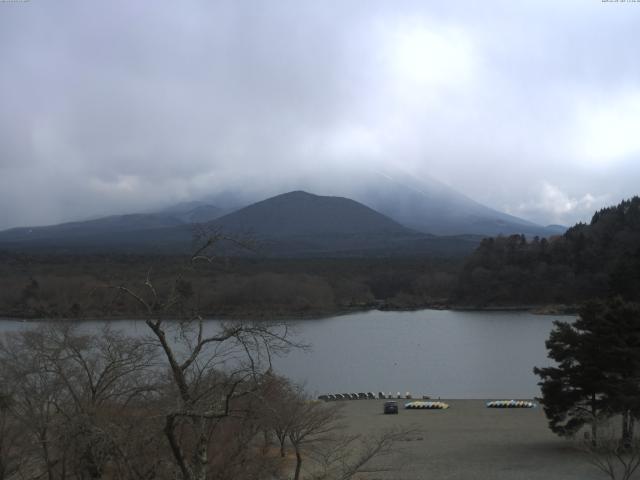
column 319, row 315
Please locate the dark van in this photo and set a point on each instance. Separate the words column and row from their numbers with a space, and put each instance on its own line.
column 390, row 407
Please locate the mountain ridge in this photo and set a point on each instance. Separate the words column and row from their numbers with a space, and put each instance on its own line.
column 292, row 224
column 422, row 204
column 428, row 205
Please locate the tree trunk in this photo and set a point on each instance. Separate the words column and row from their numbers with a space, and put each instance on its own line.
column 282, row 451
column 44, row 443
column 267, row 441
column 298, row 463
column 201, row 458
column 594, row 422
column 627, row 430
column 178, row 455
column 91, row 467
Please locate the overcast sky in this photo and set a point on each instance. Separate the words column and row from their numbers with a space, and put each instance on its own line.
column 532, row 108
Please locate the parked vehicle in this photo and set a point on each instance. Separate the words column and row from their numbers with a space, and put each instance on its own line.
column 390, row 407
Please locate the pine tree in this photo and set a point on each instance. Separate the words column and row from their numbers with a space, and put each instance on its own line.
column 597, row 372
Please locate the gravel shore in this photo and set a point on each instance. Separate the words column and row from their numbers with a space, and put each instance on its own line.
column 470, row 441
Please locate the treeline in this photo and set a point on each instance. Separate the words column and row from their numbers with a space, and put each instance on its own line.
column 598, row 259
column 57, row 286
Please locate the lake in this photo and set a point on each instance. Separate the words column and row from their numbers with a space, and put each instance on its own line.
column 442, row 353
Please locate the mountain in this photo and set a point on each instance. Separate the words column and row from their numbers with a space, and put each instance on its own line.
column 302, row 224
column 300, row 213
column 291, row 225
column 166, row 227
column 181, row 208
column 101, row 226
column 202, row 214
column 132, row 232
column 193, row 212
column 420, row 203
column 425, row 204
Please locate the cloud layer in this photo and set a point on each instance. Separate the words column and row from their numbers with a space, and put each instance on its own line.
column 122, row 106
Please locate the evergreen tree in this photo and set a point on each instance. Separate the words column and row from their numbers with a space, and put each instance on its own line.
column 572, row 391
column 597, row 372
column 617, row 326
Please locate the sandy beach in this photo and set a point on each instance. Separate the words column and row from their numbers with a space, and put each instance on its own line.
column 470, row 441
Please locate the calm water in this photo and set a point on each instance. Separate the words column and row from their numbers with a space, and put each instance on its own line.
column 442, row 353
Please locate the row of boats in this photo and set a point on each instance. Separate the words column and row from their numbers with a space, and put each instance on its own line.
column 511, row 404
column 492, row 404
column 368, row 396
column 426, row 405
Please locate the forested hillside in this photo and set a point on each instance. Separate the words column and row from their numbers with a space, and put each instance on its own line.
column 598, row 259
column 58, row 286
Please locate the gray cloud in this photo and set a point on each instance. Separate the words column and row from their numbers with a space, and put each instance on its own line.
column 119, row 106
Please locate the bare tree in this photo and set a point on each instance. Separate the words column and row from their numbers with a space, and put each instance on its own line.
column 314, row 430
column 312, row 422
column 280, row 398
column 69, row 391
column 10, row 432
column 36, row 394
column 209, row 371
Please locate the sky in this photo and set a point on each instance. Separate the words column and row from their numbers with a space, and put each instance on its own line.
column 532, row 108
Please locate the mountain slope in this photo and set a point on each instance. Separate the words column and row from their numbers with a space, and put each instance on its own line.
column 165, row 227
column 302, row 224
column 426, row 205
column 101, row 226
column 136, row 233
column 420, row 203
column 299, row 213
column 193, row 212
column 294, row 224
